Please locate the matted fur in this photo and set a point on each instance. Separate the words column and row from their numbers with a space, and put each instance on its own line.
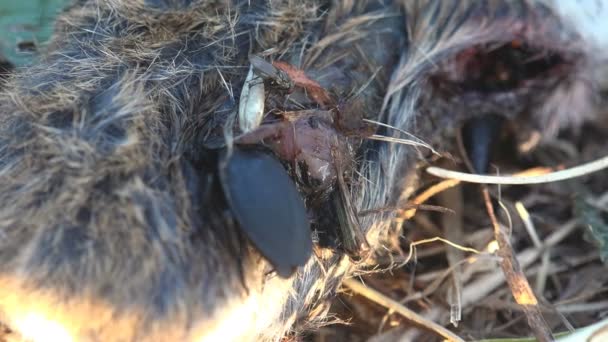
column 106, row 232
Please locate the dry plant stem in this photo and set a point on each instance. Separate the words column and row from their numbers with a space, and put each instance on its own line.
column 391, row 304
column 413, row 245
column 449, row 183
column 541, row 277
column 574, row 172
column 583, row 307
column 516, row 279
column 426, row 145
column 452, row 229
column 481, row 287
column 430, row 192
column 567, row 309
column 397, row 140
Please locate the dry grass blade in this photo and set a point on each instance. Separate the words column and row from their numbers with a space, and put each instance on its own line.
column 393, row 305
column 556, row 176
column 407, row 207
column 426, row 195
column 449, row 183
column 437, row 238
column 483, row 286
column 398, row 141
column 452, row 226
column 541, row 277
column 516, row 279
column 404, row 132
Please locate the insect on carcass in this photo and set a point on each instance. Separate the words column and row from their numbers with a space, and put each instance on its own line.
column 319, row 140
column 197, row 170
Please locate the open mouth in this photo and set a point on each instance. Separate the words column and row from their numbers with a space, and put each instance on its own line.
column 501, row 68
column 532, row 77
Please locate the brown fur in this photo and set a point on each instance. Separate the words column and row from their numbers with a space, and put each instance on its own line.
column 105, row 228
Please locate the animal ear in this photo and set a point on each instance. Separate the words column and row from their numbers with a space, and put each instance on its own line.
column 268, row 207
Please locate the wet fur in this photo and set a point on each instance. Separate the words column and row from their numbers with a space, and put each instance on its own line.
column 111, row 223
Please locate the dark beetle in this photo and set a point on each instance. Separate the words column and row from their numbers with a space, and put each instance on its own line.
column 268, row 207
column 319, row 144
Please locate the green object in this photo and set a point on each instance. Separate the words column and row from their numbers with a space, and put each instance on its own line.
column 25, row 25
column 596, row 223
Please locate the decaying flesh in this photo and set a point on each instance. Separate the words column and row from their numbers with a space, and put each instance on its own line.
column 308, row 137
column 321, row 155
column 112, row 227
column 319, row 144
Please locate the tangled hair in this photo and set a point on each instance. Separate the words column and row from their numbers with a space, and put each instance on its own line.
column 112, row 227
